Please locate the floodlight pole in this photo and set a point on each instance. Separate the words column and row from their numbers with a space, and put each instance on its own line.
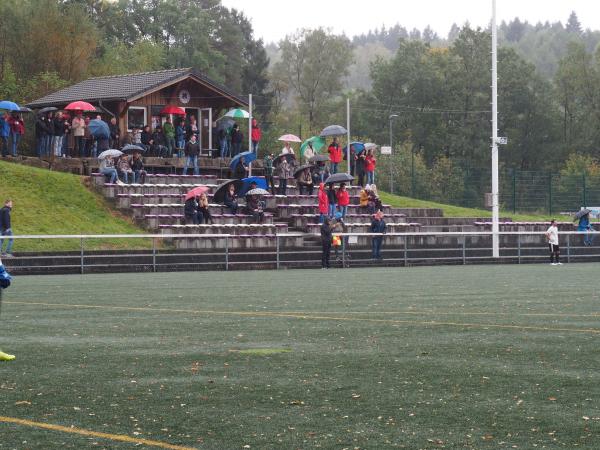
column 250, row 131
column 392, row 116
column 495, row 199
column 348, row 130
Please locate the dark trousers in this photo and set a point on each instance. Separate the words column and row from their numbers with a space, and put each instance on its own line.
column 554, row 253
column 326, row 254
column 305, row 188
column 377, row 241
column 361, row 179
column 204, row 213
column 282, row 186
column 79, row 147
column 270, row 182
column 4, row 145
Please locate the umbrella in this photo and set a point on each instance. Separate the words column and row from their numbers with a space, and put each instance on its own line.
column 370, row 146
column 111, row 153
column 248, row 157
column 333, row 130
column 237, row 114
column 288, row 156
column 289, row 138
column 359, row 147
column 196, row 192
column 25, row 109
column 582, row 213
column 79, row 106
column 47, row 110
column 9, row 106
column 319, row 158
column 225, row 122
column 317, row 144
column 259, row 181
column 219, row 195
column 257, row 191
column 130, row 148
column 170, row 109
column 99, row 129
column 339, row 178
column 301, row 168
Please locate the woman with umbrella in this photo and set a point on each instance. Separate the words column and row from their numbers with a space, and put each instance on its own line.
column 285, row 171
column 137, row 166
column 254, row 205
column 203, row 209
column 107, row 168
column 231, row 199
column 190, row 211
column 585, row 226
column 78, row 126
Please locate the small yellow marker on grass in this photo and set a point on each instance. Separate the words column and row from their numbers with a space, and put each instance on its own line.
column 6, row 356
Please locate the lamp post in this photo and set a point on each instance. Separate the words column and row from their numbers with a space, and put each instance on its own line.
column 392, row 116
column 495, row 193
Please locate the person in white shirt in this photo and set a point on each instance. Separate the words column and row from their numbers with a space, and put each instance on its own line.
column 287, row 149
column 552, row 235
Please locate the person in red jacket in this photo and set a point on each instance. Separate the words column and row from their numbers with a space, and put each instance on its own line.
column 370, row 162
column 17, row 130
column 323, row 203
column 343, row 198
column 255, row 135
column 335, row 155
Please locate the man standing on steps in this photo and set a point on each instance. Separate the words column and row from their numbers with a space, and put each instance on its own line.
column 5, row 228
column 552, row 235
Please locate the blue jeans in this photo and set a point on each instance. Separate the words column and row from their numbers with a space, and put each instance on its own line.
column 57, row 145
column 236, row 148
column 112, row 172
column 334, row 167
column 370, row 177
column 40, row 146
column 4, row 145
column 7, row 232
column 126, row 175
column 47, row 145
column 138, row 176
column 332, row 209
column 322, row 218
column 224, row 145
column 180, row 147
column 344, row 211
column 15, row 138
column 377, row 241
column 191, row 160
column 255, row 146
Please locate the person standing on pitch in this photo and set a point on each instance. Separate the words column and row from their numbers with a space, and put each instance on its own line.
column 552, row 235
column 4, row 283
column 326, row 237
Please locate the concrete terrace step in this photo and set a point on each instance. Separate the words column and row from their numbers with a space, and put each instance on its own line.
column 235, row 229
column 302, row 220
column 153, row 221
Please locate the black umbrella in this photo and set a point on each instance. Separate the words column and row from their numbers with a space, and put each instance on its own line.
column 582, row 212
column 288, row 156
column 319, row 158
column 299, row 170
column 25, row 109
column 333, row 130
column 47, row 110
column 130, row 148
column 339, row 178
column 219, row 195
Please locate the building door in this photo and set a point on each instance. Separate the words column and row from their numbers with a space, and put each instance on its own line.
column 206, row 128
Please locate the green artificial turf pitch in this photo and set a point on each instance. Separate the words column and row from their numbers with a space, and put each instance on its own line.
column 433, row 357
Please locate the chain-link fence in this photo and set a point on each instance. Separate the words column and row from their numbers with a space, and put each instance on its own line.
column 520, row 191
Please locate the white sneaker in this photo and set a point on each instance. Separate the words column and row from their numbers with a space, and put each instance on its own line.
column 560, row 264
column 553, row 264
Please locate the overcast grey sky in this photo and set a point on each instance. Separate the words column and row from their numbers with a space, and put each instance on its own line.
column 273, row 19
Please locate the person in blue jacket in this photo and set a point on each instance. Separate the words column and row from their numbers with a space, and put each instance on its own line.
column 4, row 133
column 585, row 225
column 5, row 279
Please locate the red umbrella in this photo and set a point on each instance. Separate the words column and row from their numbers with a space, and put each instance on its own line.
column 196, row 192
column 79, row 106
column 170, row 109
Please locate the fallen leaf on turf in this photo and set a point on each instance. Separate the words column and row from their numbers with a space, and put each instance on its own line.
column 552, row 399
column 296, row 402
column 487, row 437
column 23, row 402
column 355, row 395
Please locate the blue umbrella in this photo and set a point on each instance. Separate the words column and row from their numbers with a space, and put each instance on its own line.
column 248, row 157
column 9, row 106
column 99, row 129
column 260, row 183
column 359, row 147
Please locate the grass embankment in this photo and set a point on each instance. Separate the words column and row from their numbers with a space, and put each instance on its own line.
column 459, row 211
column 53, row 203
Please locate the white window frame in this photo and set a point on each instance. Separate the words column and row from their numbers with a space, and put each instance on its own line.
column 145, row 115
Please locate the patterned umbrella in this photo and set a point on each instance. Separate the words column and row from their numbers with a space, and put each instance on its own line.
column 289, row 138
column 237, row 114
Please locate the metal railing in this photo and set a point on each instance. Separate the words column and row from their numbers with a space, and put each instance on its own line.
column 161, row 252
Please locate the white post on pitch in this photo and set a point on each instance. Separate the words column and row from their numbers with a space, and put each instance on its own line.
column 250, row 131
column 348, row 130
column 495, row 196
